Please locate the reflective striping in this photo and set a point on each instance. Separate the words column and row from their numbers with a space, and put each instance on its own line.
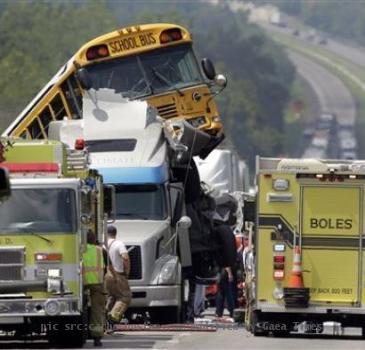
column 272, row 221
column 92, row 269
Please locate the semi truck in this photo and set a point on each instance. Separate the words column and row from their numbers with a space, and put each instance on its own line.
column 307, row 257
column 149, row 219
column 56, row 199
column 136, row 158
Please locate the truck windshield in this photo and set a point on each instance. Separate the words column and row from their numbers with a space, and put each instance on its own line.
column 39, row 211
column 136, row 202
column 150, row 73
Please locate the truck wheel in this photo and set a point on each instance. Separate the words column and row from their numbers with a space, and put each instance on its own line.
column 70, row 332
column 313, row 328
column 255, row 327
column 282, row 333
column 165, row 315
column 171, row 314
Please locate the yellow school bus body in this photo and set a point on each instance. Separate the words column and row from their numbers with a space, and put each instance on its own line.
column 62, row 96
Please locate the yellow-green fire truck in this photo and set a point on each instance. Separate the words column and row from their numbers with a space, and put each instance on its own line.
column 55, row 200
column 318, row 206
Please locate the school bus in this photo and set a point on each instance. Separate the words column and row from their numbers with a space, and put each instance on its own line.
column 153, row 62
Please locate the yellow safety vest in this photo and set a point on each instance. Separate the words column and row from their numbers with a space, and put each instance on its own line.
column 93, row 267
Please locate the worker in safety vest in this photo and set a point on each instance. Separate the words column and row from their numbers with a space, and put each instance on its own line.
column 93, row 277
column 116, row 278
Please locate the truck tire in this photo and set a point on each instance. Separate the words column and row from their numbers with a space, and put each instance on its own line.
column 282, row 333
column 313, row 327
column 183, row 313
column 255, row 328
column 171, row 314
column 165, row 315
column 71, row 332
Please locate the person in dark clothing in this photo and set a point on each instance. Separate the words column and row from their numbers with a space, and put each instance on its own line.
column 227, row 261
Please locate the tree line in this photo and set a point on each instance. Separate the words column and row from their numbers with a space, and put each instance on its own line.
column 39, row 37
column 343, row 19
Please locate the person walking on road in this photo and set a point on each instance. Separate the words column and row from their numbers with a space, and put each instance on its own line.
column 93, row 278
column 227, row 280
column 116, row 278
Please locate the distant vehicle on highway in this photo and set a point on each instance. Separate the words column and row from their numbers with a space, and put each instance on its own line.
column 327, row 121
column 311, row 35
column 322, row 40
column 309, row 131
column 349, row 155
column 348, row 144
column 320, row 142
column 277, row 20
column 314, row 152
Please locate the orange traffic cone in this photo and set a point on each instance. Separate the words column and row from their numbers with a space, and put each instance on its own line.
column 296, row 278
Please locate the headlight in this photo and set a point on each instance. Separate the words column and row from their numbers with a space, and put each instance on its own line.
column 52, row 307
column 53, row 285
column 166, row 271
column 168, row 274
column 278, row 293
column 196, row 122
column 281, row 184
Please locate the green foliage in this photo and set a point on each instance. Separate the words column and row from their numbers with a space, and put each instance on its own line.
column 340, row 18
column 37, row 38
column 258, row 71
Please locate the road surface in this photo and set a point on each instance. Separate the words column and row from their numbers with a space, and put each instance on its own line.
column 332, row 93
column 232, row 339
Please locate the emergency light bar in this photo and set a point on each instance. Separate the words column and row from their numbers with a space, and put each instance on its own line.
column 97, row 51
column 170, row 35
column 47, row 257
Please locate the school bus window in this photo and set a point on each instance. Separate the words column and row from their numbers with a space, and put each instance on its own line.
column 58, row 107
column 45, row 118
column 148, row 73
column 23, row 135
column 187, row 67
column 35, row 129
column 72, row 93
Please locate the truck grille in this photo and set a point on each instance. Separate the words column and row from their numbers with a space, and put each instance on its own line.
column 136, row 262
column 11, row 263
column 167, row 111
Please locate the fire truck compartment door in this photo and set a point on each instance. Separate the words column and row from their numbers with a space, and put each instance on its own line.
column 330, row 226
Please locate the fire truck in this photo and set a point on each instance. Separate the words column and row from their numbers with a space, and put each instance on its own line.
column 56, row 199
column 306, row 262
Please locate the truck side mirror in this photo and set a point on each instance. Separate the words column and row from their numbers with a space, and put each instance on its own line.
column 184, row 222
column 208, row 68
column 4, row 183
column 177, row 202
column 84, row 78
column 86, row 201
column 109, row 202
